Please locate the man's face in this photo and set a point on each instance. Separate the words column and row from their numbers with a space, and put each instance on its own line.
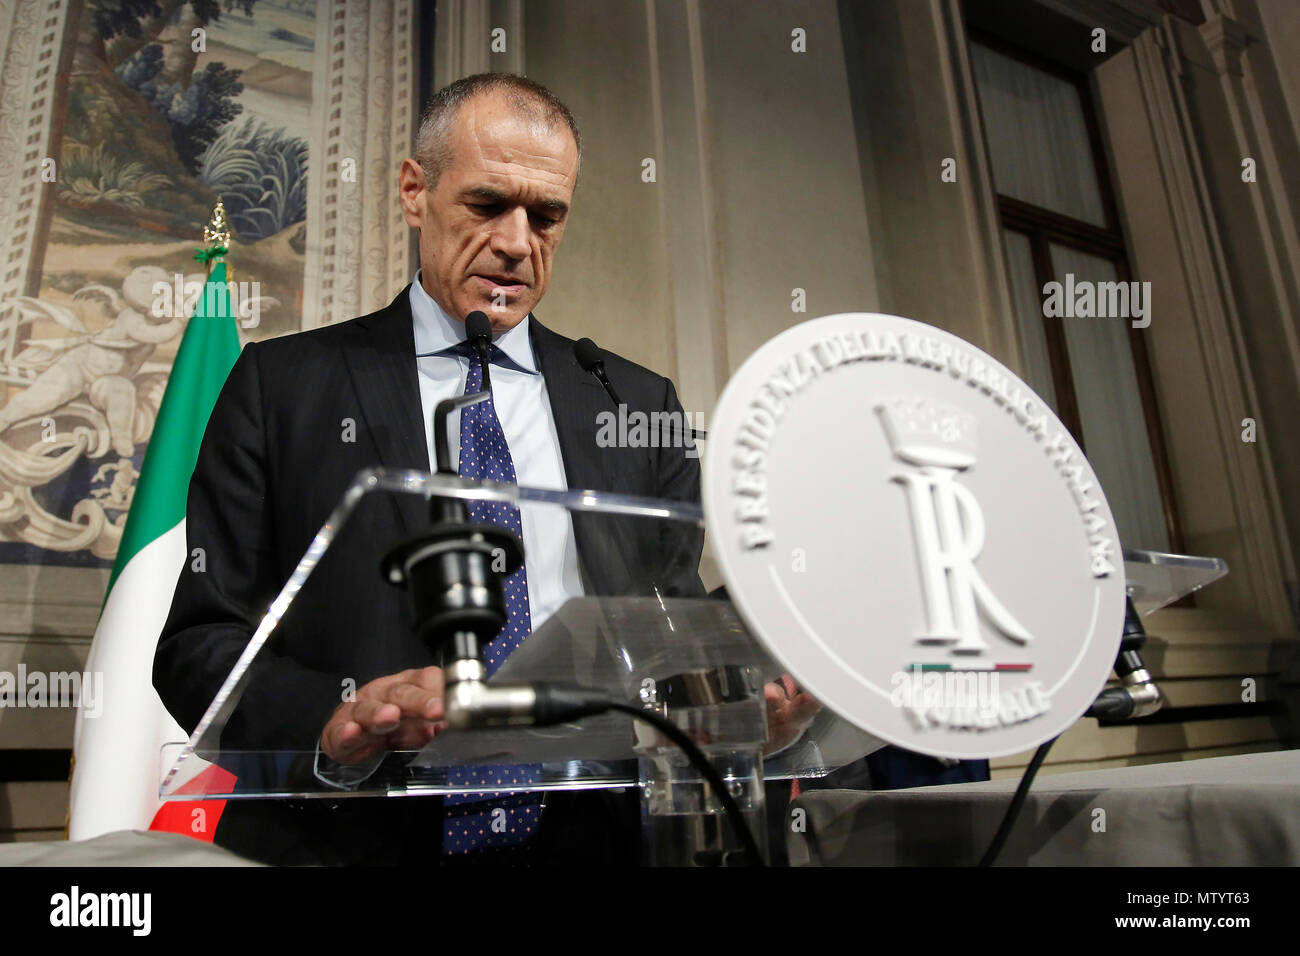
column 490, row 227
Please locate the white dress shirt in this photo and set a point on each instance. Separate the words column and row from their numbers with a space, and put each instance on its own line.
column 524, row 408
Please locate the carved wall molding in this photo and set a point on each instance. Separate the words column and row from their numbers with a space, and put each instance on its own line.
column 993, row 300
column 1215, row 317
column 1259, row 130
column 363, row 94
column 1122, row 19
column 29, row 61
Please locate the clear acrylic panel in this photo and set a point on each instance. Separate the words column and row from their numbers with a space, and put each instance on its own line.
column 640, row 628
column 1156, row 579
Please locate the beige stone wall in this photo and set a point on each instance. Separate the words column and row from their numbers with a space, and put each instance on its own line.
column 755, row 193
column 1281, row 27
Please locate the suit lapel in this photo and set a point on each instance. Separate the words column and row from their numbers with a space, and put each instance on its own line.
column 576, row 399
column 381, row 359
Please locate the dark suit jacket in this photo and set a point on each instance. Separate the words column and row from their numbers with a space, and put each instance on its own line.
column 298, row 417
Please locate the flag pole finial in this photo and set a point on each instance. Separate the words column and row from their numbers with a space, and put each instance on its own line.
column 216, row 235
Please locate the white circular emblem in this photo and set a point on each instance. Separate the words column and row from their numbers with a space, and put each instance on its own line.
column 914, row 535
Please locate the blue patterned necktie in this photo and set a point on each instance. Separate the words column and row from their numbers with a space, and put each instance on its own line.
column 498, row 824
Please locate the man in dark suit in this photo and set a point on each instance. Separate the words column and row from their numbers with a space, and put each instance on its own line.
column 490, row 190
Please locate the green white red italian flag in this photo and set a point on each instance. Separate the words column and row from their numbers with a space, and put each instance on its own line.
column 118, row 757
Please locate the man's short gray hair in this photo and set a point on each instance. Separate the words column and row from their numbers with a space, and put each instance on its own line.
column 532, row 100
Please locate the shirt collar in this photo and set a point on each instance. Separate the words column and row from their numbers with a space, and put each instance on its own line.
column 437, row 332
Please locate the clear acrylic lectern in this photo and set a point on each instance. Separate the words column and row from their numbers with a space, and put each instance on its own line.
column 637, row 625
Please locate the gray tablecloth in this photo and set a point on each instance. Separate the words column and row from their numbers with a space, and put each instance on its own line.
column 124, row 848
column 1224, row 811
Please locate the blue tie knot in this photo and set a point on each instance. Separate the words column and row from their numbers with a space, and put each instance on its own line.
column 495, row 355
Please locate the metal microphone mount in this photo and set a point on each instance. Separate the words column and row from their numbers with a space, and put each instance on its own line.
column 455, row 573
column 1139, row 696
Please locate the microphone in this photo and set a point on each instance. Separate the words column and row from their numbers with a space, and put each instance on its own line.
column 456, row 588
column 592, row 359
column 455, row 579
column 478, row 332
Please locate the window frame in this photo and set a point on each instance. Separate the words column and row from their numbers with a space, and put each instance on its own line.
column 1044, row 227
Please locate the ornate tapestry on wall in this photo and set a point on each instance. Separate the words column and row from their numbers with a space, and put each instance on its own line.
column 168, row 106
column 122, row 122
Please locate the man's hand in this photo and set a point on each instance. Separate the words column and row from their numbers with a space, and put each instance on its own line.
column 398, row 712
column 789, row 712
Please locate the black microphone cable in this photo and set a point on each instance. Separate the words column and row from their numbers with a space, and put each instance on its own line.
column 561, row 703
column 1017, row 802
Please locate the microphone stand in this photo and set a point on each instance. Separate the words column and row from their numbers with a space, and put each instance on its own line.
column 455, row 576
column 455, row 572
column 589, row 357
column 1138, row 696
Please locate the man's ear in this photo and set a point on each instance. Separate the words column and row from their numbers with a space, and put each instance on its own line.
column 411, row 191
